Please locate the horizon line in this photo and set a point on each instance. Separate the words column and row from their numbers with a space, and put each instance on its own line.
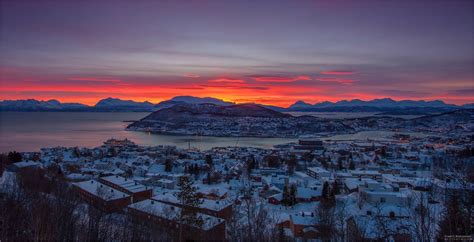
column 233, row 102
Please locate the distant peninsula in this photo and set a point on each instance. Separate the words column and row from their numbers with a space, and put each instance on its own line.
column 251, row 120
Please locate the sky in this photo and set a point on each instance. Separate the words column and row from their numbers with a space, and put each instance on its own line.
column 270, row 52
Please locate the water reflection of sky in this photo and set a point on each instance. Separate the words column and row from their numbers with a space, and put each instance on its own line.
column 24, row 131
column 30, row 131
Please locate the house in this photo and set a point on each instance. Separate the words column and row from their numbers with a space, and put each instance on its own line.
column 376, row 175
column 217, row 208
column 308, row 194
column 22, row 165
column 318, row 172
column 422, row 184
column 379, row 193
column 77, row 177
column 166, row 183
column 275, row 199
column 166, row 216
column 303, row 177
column 303, row 225
column 137, row 191
column 352, row 184
column 401, row 182
column 102, row 196
column 213, row 192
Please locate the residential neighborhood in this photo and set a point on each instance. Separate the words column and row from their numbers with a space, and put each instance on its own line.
column 310, row 190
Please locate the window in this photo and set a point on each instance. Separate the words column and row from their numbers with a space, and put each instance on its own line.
column 392, row 215
column 382, row 199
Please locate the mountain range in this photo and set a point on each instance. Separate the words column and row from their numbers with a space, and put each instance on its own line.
column 385, row 105
column 35, row 105
column 376, row 105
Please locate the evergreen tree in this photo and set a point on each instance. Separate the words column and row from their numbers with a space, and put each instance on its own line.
column 272, row 160
column 189, row 199
column 286, row 196
column 209, row 178
column 339, row 165
column 293, row 194
column 196, row 171
column 383, row 152
column 76, row 152
column 308, row 157
column 291, row 164
column 324, row 162
column 168, row 165
column 209, row 160
column 129, row 173
column 14, row 157
column 250, row 165
column 325, row 192
column 289, row 195
column 328, row 197
column 351, row 165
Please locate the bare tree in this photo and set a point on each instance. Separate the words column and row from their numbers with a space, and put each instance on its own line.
column 260, row 223
column 326, row 219
column 423, row 216
column 356, row 231
column 341, row 214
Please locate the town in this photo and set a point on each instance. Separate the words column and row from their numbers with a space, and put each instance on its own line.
column 405, row 188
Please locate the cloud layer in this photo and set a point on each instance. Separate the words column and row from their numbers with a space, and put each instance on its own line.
column 238, row 51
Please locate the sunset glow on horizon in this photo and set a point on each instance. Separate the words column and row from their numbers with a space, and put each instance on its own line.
column 273, row 53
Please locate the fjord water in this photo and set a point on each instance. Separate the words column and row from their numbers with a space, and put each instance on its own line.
column 31, row 131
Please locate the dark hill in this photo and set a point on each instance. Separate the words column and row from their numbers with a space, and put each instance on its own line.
column 238, row 110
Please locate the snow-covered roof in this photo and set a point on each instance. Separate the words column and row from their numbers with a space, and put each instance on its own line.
column 24, row 164
column 172, row 213
column 156, row 169
column 78, row 176
column 206, row 203
column 303, row 218
column 217, row 189
column 353, row 183
column 318, row 170
column 396, row 179
column 167, row 181
column 126, row 183
column 307, row 193
column 103, row 191
column 365, row 172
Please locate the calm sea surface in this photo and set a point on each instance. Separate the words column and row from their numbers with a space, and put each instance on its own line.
column 30, row 131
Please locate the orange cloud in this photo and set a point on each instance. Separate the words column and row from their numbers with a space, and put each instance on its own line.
column 93, row 79
column 191, row 76
column 280, row 79
column 226, row 80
